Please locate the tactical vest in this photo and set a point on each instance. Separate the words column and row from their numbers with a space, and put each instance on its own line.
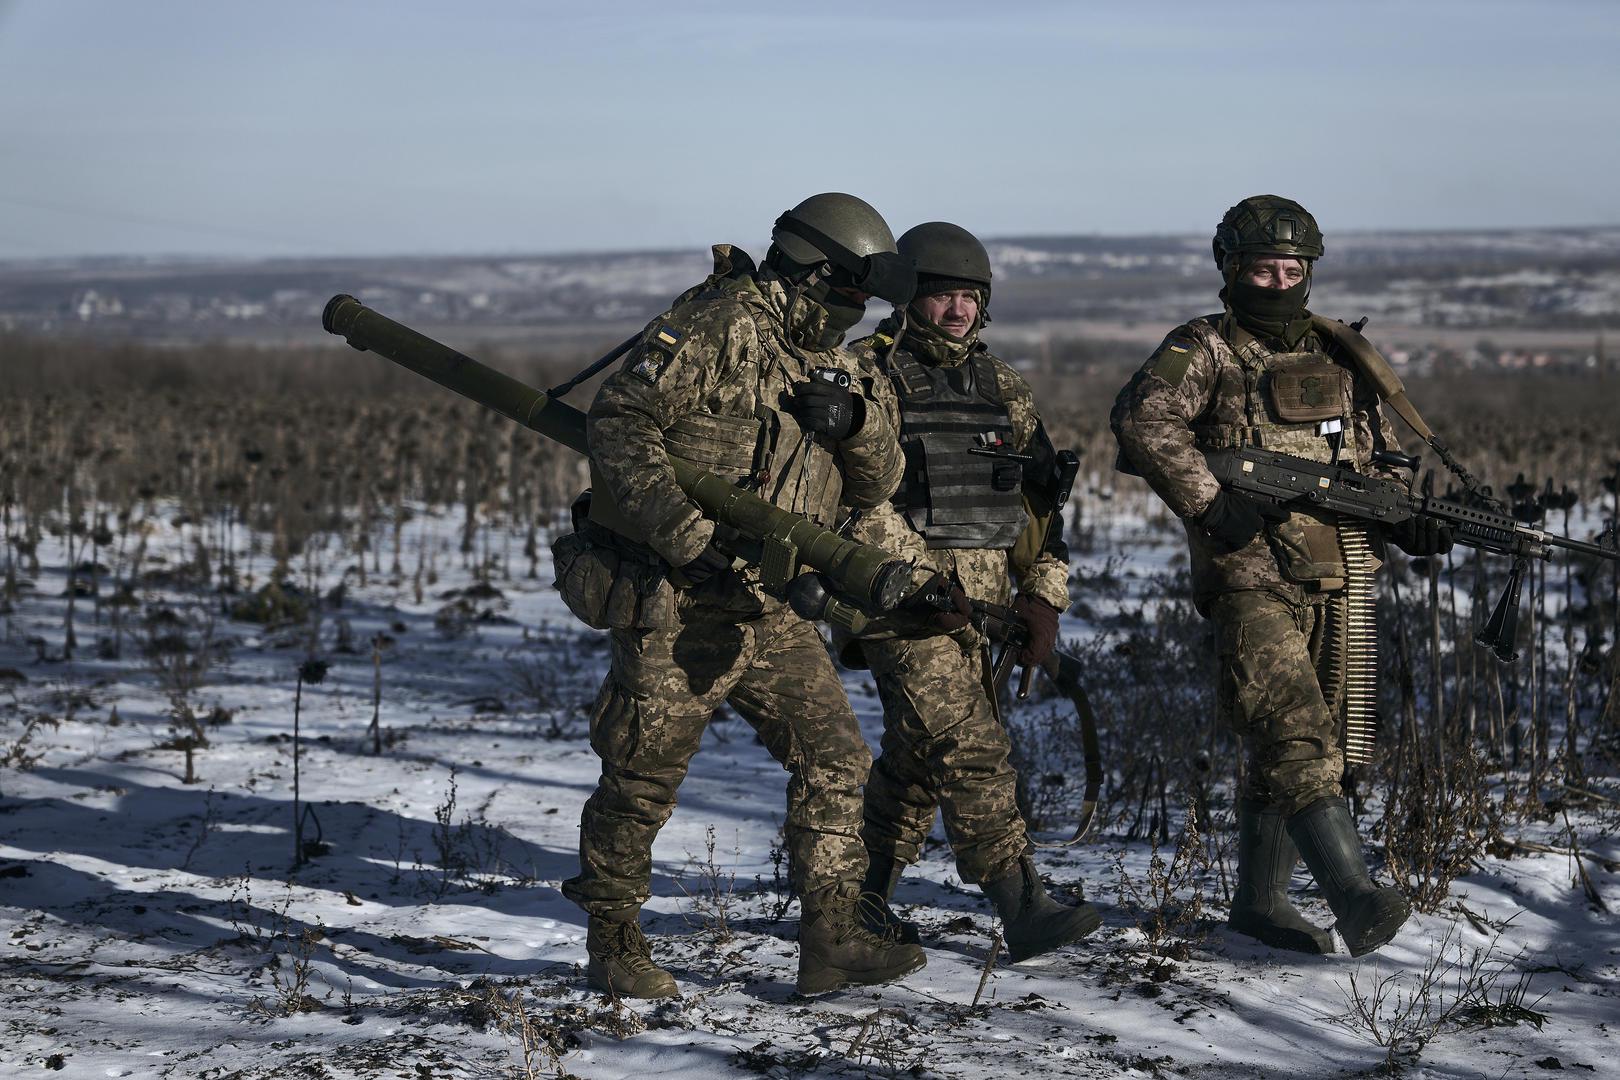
column 1299, row 403
column 963, row 485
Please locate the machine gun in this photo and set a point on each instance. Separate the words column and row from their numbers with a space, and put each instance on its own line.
column 1284, row 479
column 785, row 541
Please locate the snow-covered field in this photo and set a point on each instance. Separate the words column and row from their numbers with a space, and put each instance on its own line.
column 153, row 928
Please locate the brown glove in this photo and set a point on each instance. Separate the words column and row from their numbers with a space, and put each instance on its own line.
column 1041, row 619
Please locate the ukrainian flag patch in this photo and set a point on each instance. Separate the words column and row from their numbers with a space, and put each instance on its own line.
column 1171, row 361
column 659, row 350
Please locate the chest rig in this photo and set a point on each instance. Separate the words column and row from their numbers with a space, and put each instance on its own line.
column 963, row 485
column 1299, row 403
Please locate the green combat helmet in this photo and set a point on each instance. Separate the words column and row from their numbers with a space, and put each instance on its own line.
column 1266, row 225
column 946, row 257
column 848, row 237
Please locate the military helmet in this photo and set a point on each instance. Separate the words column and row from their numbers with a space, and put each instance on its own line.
column 946, row 257
column 1267, row 225
column 848, row 233
column 851, row 222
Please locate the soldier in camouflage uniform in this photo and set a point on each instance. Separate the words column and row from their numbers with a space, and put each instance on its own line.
column 724, row 379
column 1262, row 373
column 978, row 484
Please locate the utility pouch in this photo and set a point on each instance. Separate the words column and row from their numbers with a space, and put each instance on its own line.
column 605, row 584
column 723, row 445
column 1308, row 551
column 1309, row 391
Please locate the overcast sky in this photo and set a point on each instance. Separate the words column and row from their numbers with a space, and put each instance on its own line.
column 292, row 127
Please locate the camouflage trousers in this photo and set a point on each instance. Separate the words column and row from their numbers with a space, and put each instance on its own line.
column 942, row 746
column 649, row 718
column 1271, row 693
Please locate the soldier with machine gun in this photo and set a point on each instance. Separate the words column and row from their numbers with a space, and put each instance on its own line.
column 1289, row 588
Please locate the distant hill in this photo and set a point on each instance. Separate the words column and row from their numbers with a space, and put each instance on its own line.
column 1527, row 279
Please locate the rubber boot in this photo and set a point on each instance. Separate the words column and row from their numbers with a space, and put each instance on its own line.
column 1266, row 858
column 882, row 875
column 621, row 961
column 1326, row 837
column 1032, row 922
column 837, row 950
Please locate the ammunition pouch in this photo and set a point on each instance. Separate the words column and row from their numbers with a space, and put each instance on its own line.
column 607, row 582
column 1309, row 391
column 1308, row 551
column 730, row 447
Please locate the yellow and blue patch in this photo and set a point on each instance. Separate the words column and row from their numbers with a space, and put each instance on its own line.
column 1171, row 360
column 660, row 348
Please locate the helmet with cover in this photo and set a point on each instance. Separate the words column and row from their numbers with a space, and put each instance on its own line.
column 1265, row 225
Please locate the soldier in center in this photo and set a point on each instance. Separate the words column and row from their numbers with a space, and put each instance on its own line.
column 977, row 506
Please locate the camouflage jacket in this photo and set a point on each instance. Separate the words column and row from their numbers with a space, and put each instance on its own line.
column 985, row 574
column 709, row 380
column 1212, row 384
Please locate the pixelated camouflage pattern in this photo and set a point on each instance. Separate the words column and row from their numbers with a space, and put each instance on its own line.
column 1201, row 390
column 1270, row 691
column 649, row 719
column 734, row 359
column 983, row 573
column 729, row 642
column 942, row 746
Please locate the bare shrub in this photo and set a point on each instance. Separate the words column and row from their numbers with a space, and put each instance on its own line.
column 1458, row 989
column 1169, row 902
column 711, row 893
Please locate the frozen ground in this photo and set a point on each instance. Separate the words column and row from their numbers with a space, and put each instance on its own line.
column 152, row 928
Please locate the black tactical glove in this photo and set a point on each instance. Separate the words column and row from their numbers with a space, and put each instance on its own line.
column 930, row 600
column 710, row 561
column 1231, row 521
column 1041, row 629
column 1420, row 536
column 826, row 409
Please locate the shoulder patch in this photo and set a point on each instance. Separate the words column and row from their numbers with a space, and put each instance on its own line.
column 658, row 350
column 1171, row 360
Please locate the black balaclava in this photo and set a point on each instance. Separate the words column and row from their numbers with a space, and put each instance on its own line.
column 828, row 315
column 1273, row 313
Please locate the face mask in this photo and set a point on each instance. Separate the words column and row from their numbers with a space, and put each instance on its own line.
column 1276, row 305
column 1278, row 313
column 842, row 313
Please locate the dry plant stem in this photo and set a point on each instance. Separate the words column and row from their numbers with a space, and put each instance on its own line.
column 376, row 695
column 298, row 816
column 1592, row 895
column 989, row 966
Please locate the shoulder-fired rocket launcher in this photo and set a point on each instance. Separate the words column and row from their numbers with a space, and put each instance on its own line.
column 788, row 541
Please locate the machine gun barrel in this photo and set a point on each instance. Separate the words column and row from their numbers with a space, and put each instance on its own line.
column 868, row 574
column 1286, row 479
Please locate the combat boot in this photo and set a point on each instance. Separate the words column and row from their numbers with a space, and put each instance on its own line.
column 621, row 961
column 1260, row 909
column 1327, row 839
column 882, row 875
column 837, row 950
column 1032, row 922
